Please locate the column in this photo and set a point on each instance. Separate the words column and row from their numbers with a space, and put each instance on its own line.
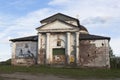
column 77, row 47
column 107, row 53
column 13, row 52
column 68, row 48
column 39, row 47
column 48, row 48
column 13, row 49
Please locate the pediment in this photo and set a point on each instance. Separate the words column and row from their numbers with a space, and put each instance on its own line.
column 59, row 16
column 57, row 25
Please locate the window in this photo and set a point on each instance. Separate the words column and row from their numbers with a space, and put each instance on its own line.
column 58, row 42
column 26, row 45
column 102, row 44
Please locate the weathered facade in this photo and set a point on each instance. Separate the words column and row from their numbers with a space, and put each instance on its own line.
column 61, row 40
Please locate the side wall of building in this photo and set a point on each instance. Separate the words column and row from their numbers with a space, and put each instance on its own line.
column 24, row 53
column 94, row 53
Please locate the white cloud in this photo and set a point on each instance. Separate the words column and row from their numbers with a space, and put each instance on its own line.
column 58, row 2
column 88, row 8
column 21, row 4
column 25, row 24
column 95, row 20
column 115, row 44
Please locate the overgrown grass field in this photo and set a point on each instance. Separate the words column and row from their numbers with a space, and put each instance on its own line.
column 70, row 72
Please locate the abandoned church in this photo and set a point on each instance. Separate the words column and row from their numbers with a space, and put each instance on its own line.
column 61, row 40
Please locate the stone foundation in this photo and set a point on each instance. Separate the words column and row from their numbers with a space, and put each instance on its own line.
column 23, row 62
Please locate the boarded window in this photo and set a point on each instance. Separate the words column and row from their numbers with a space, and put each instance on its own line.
column 59, row 51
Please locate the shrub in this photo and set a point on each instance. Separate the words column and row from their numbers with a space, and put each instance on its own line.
column 7, row 62
column 115, row 62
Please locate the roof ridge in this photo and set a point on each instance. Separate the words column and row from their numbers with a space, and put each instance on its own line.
column 56, row 15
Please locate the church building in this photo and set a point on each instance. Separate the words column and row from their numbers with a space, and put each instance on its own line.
column 61, row 40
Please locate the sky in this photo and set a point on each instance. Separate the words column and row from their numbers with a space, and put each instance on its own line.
column 19, row 18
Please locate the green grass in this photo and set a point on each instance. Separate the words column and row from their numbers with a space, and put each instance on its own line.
column 70, row 72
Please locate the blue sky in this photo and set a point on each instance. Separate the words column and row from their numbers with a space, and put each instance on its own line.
column 19, row 18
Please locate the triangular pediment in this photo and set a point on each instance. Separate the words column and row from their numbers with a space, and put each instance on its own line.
column 59, row 16
column 57, row 25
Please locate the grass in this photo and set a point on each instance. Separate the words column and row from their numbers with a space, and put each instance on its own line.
column 70, row 72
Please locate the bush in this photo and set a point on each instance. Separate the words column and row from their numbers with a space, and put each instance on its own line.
column 115, row 62
column 7, row 62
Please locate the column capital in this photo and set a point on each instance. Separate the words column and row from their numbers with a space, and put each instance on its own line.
column 77, row 33
column 47, row 33
column 68, row 33
column 39, row 34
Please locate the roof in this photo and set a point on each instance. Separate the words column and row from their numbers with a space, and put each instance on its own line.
column 29, row 38
column 82, row 37
column 92, row 37
column 60, row 21
column 82, row 28
column 59, row 16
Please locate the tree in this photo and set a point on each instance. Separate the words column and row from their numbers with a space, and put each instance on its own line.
column 111, row 52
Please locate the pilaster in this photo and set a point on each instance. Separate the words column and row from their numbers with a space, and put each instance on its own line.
column 13, row 50
column 68, row 48
column 39, row 47
column 48, row 48
column 77, row 47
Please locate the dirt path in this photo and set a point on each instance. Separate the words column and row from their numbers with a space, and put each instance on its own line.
column 26, row 76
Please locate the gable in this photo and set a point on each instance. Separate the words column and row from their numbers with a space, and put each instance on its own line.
column 57, row 25
column 60, row 17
